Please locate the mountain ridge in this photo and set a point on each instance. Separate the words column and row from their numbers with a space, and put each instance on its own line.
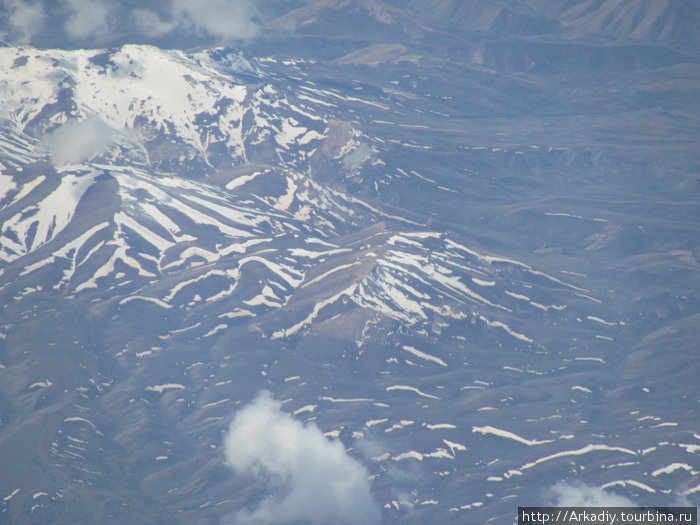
column 422, row 259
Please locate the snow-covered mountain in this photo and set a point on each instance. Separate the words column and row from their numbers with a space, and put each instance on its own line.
column 181, row 229
column 114, row 219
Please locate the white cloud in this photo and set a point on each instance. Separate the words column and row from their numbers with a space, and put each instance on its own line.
column 578, row 494
column 320, row 482
column 152, row 24
column 225, row 19
column 78, row 140
column 24, row 19
column 88, row 18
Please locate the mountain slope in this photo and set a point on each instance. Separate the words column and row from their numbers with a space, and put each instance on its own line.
column 419, row 282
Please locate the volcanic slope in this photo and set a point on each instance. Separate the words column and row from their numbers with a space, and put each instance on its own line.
column 179, row 230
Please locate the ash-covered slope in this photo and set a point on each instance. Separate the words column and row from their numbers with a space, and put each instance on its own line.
column 179, row 230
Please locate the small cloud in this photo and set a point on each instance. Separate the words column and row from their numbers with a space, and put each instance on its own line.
column 320, row 482
column 223, row 19
column 370, row 447
column 23, row 20
column 87, row 18
column 228, row 19
column 151, row 24
column 78, row 140
column 578, row 494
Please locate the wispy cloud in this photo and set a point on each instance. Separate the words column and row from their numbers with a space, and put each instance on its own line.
column 578, row 494
column 78, row 140
column 87, row 18
column 23, row 19
column 311, row 478
column 153, row 24
column 224, row 19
